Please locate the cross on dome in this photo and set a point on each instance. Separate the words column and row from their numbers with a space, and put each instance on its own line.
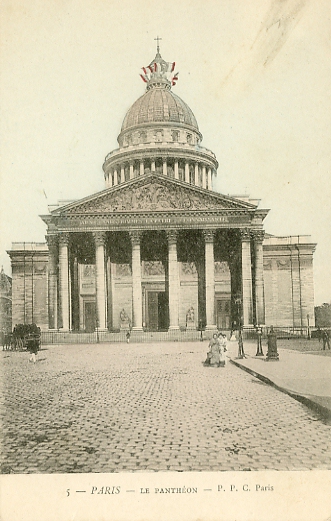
column 158, row 41
column 159, row 73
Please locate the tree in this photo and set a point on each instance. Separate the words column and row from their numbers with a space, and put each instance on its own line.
column 323, row 315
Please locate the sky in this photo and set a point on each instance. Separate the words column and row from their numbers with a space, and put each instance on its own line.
column 256, row 74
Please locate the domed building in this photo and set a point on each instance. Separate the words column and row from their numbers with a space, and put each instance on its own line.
column 158, row 249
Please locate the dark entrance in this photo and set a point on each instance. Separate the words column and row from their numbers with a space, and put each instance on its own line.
column 223, row 318
column 157, row 311
column 89, row 316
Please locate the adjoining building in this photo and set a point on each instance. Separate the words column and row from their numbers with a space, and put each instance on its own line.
column 5, row 302
column 158, row 248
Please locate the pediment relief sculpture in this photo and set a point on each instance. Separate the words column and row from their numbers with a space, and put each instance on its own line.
column 153, row 196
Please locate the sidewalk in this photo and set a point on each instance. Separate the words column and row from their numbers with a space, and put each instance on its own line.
column 305, row 377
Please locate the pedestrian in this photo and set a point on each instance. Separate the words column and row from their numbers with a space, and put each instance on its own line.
column 33, row 346
column 128, row 335
column 222, row 348
column 326, row 339
column 213, row 355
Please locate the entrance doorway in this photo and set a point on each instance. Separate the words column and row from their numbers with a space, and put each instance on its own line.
column 157, row 311
column 89, row 316
column 223, row 314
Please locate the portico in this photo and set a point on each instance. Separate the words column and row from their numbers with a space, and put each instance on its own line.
column 155, row 264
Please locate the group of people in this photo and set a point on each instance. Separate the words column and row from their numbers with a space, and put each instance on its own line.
column 217, row 349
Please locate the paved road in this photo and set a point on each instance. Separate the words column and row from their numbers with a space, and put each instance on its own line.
column 111, row 408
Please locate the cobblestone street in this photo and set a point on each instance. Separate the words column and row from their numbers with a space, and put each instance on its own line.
column 112, row 408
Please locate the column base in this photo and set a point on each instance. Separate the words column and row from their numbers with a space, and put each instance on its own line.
column 173, row 328
column 137, row 328
column 211, row 327
column 101, row 330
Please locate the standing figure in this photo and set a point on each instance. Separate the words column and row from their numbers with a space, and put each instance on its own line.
column 326, row 339
column 213, row 355
column 33, row 346
column 222, row 348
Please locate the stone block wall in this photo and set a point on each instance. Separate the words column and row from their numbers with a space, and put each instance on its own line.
column 29, row 284
column 288, row 281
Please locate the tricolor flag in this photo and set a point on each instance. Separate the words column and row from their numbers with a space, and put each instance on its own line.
column 174, row 79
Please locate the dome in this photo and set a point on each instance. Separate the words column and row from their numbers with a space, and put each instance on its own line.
column 159, row 105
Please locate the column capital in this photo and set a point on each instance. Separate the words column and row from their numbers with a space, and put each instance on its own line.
column 245, row 234
column 258, row 235
column 64, row 239
column 172, row 236
column 99, row 238
column 208, row 235
column 135, row 237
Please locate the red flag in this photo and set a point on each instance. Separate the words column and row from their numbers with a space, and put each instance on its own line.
column 174, row 79
column 143, row 78
column 150, row 68
column 173, row 66
column 143, row 68
column 155, row 67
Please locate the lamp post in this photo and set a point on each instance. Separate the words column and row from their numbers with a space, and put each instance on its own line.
column 308, row 327
column 241, row 353
column 259, row 351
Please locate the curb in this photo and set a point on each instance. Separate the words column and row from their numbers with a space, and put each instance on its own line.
column 325, row 412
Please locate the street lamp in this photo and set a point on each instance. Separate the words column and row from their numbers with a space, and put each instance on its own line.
column 308, row 327
column 241, row 353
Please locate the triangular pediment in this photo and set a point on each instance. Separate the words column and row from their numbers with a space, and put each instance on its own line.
column 153, row 193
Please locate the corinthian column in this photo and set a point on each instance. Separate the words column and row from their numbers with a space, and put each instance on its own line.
column 210, row 279
column 173, row 280
column 64, row 279
column 196, row 174
column 176, row 169
column 246, row 267
column 187, row 172
column 136, row 281
column 258, row 237
column 164, row 166
column 204, row 177
column 99, row 238
column 52, row 280
column 209, row 179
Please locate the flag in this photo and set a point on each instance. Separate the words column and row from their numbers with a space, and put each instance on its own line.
column 174, row 79
column 143, row 68
column 143, row 78
column 173, row 67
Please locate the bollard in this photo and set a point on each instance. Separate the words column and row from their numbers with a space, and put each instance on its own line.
column 272, row 353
